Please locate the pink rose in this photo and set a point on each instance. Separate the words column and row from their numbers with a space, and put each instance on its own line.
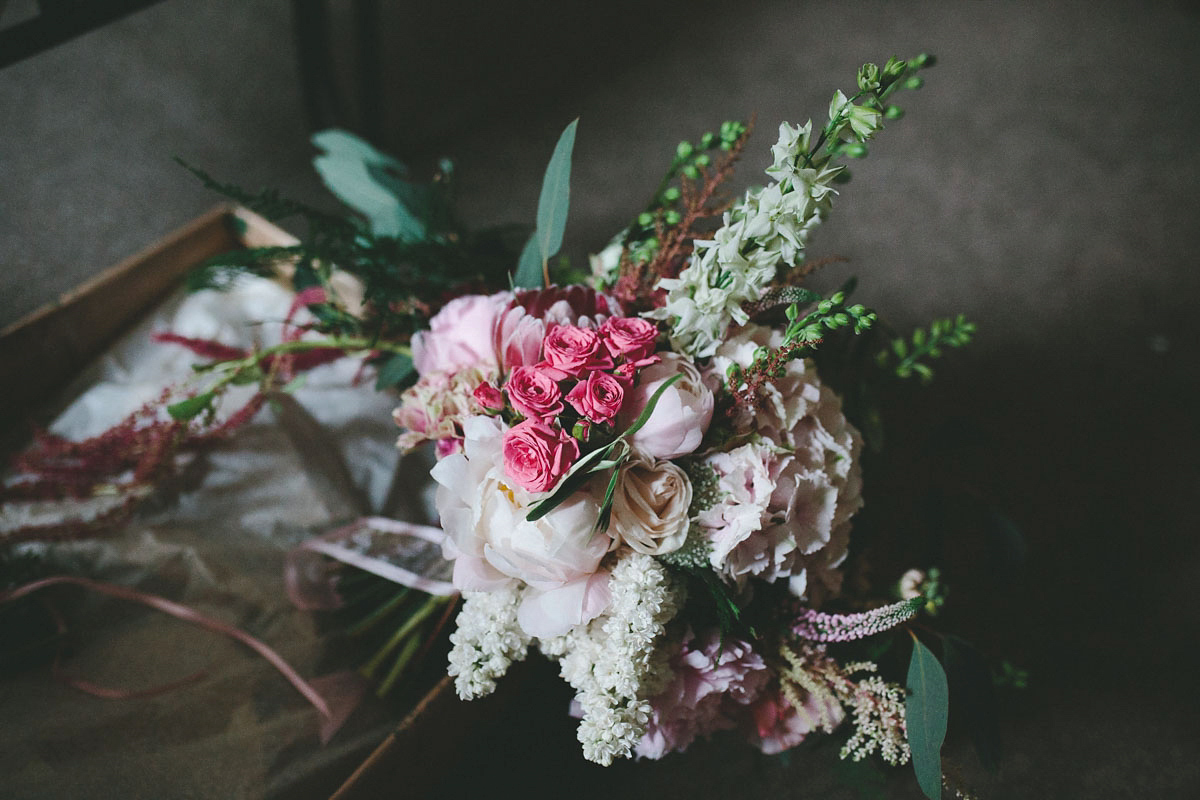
column 682, row 414
column 489, row 397
column 534, row 393
column 461, row 335
column 632, row 337
column 598, row 398
column 572, row 351
column 536, row 455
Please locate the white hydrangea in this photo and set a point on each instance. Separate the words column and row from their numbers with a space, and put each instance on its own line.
column 769, row 226
column 487, row 640
column 613, row 662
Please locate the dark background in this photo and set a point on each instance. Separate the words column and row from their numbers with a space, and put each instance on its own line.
column 1043, row 183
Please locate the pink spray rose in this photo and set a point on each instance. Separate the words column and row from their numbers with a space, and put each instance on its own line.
column 631, row 337
column 489, row 397
column 534, row 393
column 461, row 335
column 682, row 414
column 536, row 455
column 572, row 351
column 598, row 398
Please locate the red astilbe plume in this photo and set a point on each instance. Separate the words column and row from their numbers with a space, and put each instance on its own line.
column 124, row 462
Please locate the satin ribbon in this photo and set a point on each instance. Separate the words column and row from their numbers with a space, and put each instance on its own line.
column 337, row 686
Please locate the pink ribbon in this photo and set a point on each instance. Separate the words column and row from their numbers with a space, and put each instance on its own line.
column 307, row 577
column 340, row 687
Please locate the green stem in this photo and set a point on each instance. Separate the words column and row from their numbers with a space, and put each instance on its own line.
column 402, row 633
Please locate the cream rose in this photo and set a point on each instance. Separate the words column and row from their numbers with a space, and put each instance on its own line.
column 650, row 507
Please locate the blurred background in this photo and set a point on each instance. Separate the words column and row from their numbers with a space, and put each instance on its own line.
column 1043, row 182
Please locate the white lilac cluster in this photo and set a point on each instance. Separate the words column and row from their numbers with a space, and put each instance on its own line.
column 486, row 640
column 768, row 227
column 616, row 663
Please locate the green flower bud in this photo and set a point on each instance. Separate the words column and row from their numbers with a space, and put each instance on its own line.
column 691, row 172
column 672, row 217
column 684, row 150
column 893, row 112
column 868, row 77
column 894, row 68
column 703, row 160
column 915, row 82
column 837, row 298
column 671, row 194
column 645, row 219
column 855, row 150
column 925, row 60
column 706, row 141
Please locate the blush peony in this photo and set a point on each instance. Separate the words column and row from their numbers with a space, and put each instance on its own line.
column 682, row 414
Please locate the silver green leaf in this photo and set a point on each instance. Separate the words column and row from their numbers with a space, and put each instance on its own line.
column 926, row 711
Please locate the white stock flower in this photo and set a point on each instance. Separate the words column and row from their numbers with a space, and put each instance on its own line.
column 767, row 227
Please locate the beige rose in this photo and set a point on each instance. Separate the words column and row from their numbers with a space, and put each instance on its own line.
column 650, row 508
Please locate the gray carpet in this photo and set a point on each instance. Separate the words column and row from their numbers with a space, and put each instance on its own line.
column 1043, row 183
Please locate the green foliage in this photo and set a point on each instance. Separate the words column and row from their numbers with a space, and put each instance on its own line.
column 906, row 358
column 409, row 259
column 192, row 407
column 372, row 184
column 221, row 272
column 394, row 371
column 926, row 712
column 1011, row 676
column 553, row 204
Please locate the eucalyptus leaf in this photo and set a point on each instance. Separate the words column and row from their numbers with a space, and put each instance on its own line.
column 369, row 182
column 529, row 266
column 926, row 712
column 575, row 477
column 556, row 194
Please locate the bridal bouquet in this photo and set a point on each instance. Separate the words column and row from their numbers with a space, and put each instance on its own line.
column 643, row 470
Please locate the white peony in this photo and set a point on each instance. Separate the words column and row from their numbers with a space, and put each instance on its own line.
column 492, row 543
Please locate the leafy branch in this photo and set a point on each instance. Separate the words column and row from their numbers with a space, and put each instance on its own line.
column 907, row 357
